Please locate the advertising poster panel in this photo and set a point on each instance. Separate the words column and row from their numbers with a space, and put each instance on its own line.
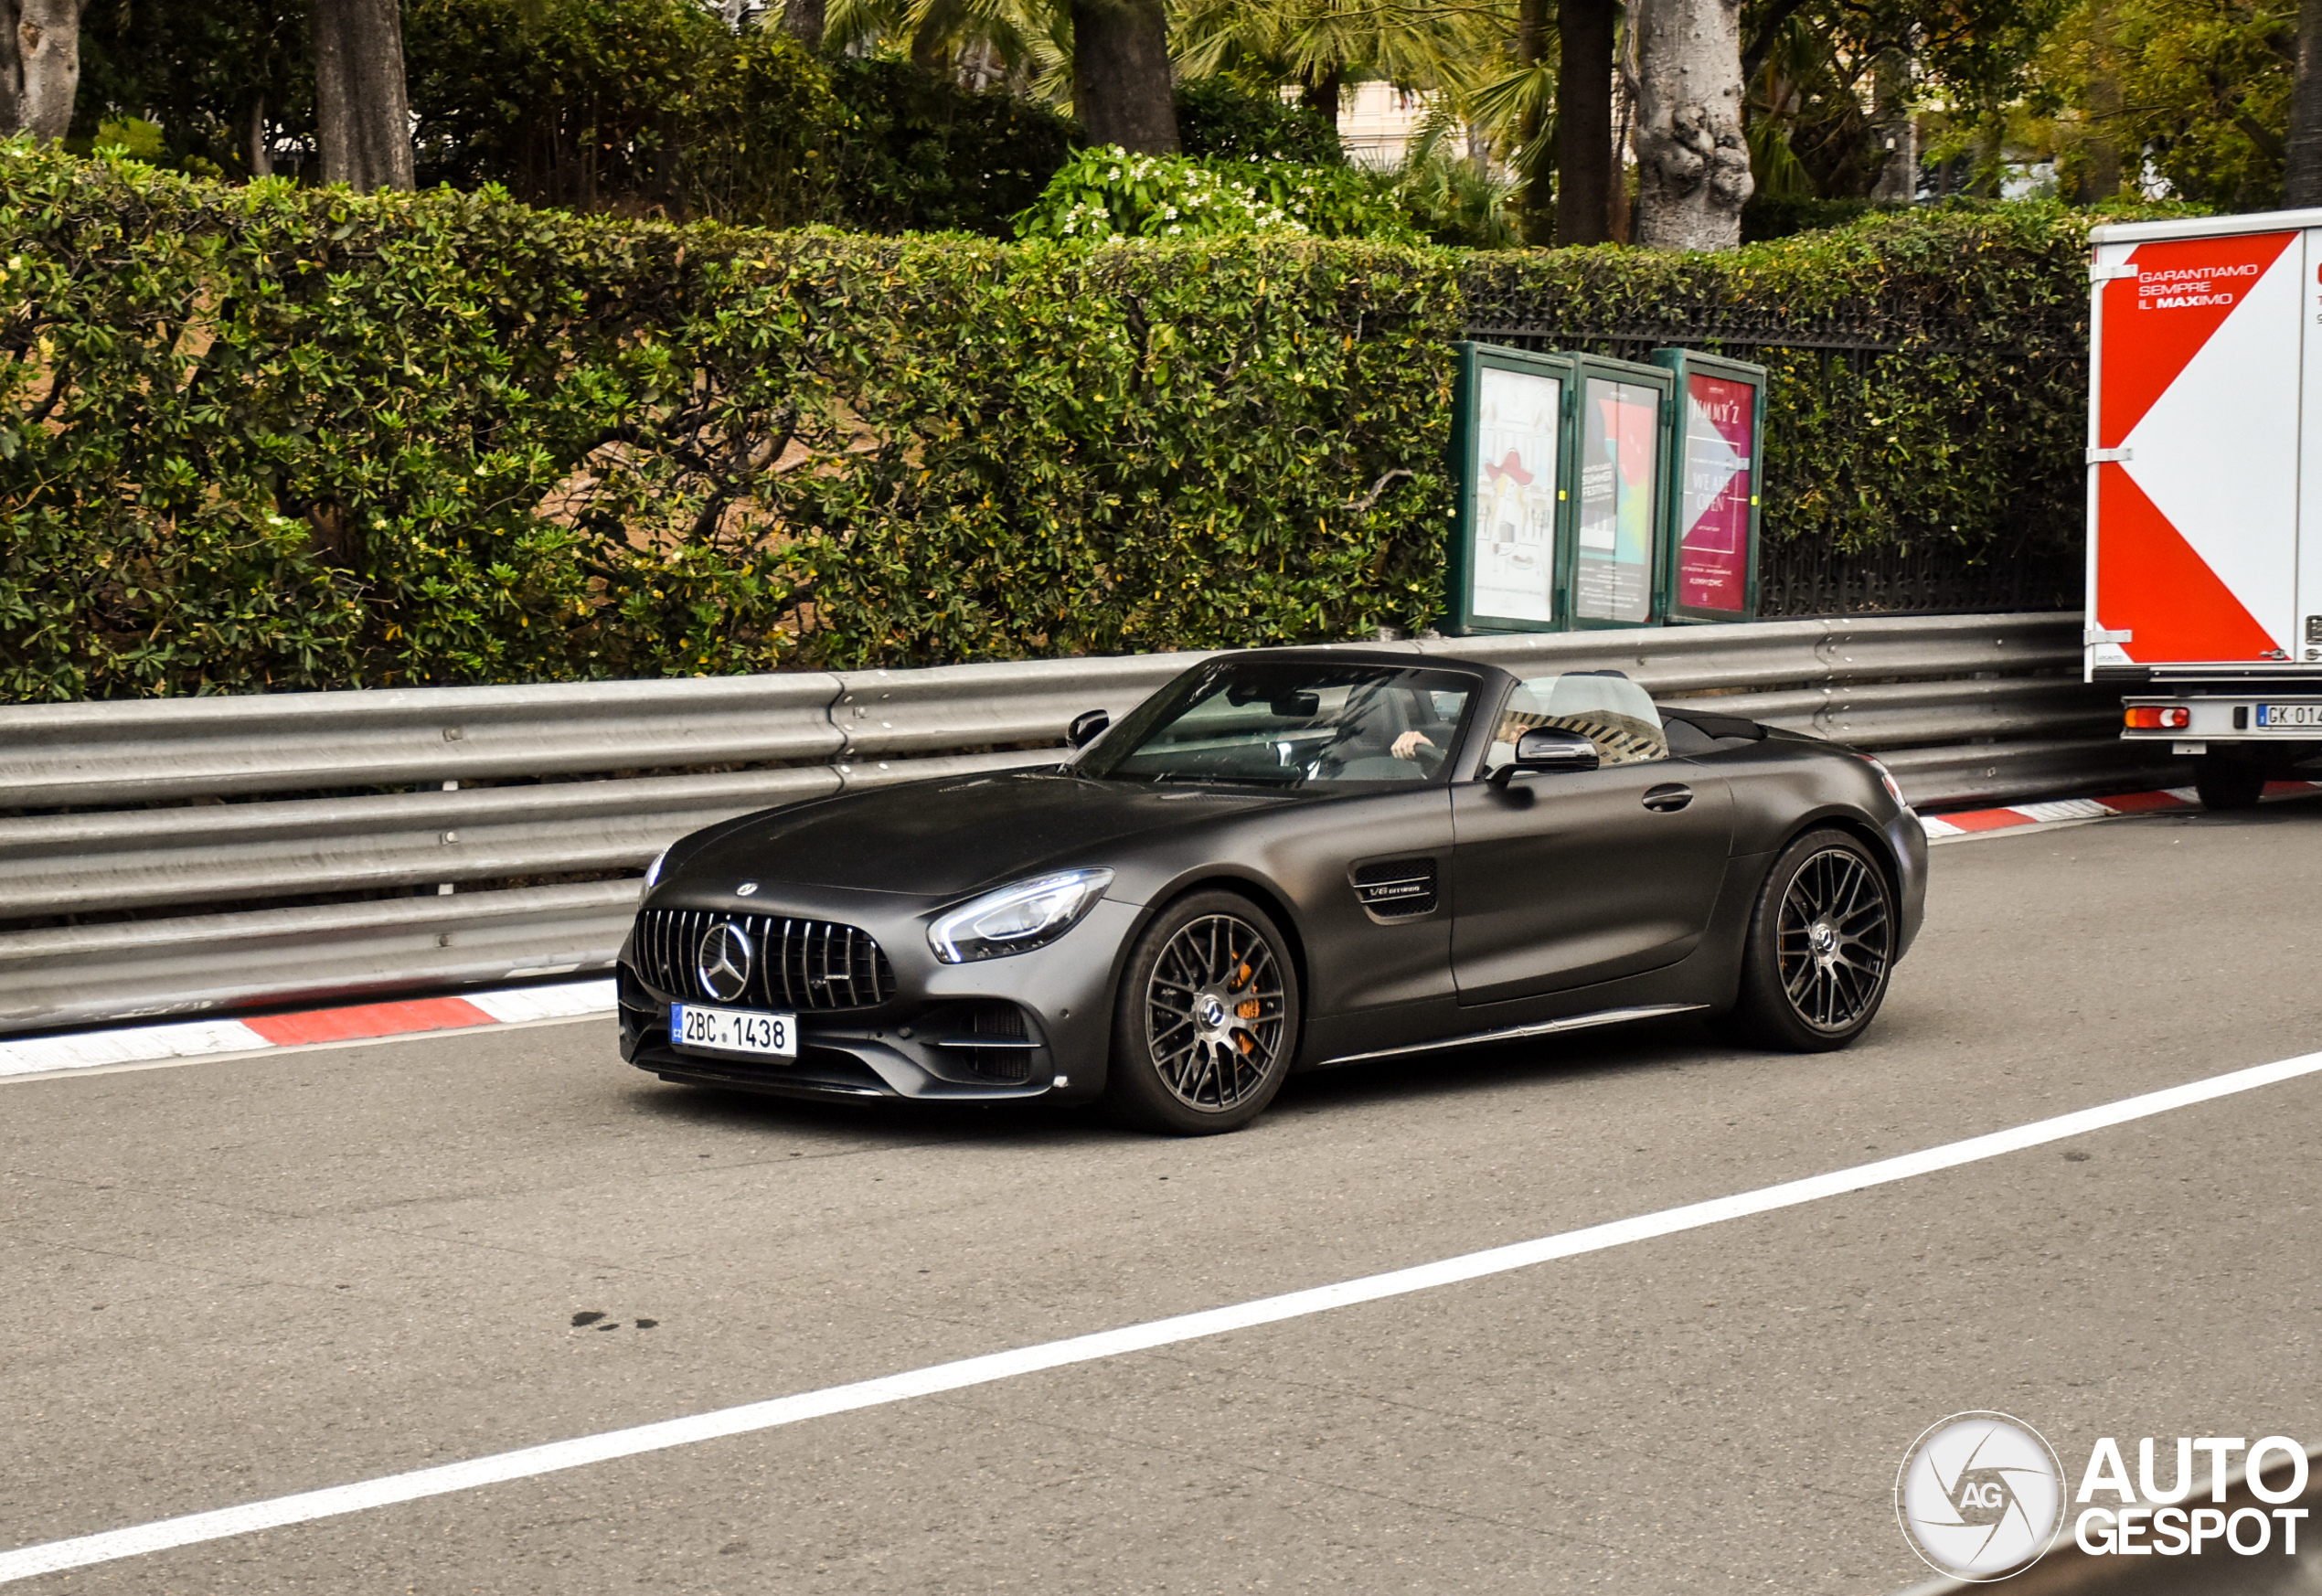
column 1619, row 501
column 1510, row 440
column 1713, row 543
column 1520, row 420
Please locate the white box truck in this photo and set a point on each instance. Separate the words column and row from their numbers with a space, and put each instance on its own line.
column 2205, row 490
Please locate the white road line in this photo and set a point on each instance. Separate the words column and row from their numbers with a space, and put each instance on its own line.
column 195, row 1527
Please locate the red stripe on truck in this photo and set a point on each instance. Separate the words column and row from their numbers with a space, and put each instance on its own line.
column 2150, row 582
column 2156, row 322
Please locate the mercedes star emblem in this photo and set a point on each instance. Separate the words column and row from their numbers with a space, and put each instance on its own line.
column 724, row 963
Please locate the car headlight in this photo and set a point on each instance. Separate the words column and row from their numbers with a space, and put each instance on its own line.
column 653, row 871
column 1887, row 780
column 1016, row 919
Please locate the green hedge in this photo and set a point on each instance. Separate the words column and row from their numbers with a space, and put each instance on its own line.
column 272, row 437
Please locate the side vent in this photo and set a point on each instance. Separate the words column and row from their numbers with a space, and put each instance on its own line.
column 1392, row 889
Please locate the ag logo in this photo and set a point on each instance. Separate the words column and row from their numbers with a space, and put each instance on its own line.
column 1980, row 1496
column 724, row 963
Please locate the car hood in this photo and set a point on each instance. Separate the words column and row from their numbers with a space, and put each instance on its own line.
column 948, row 836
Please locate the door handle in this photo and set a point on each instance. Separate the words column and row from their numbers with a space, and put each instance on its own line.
column 1668, row 799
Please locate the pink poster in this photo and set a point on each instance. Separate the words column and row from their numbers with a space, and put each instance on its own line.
column 1713, row 550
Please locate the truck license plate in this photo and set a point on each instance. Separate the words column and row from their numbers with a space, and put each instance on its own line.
column 695, row 1029
column 2289, row 714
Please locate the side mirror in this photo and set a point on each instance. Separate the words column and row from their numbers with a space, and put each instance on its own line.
column 1087, row 727
column 1547, row 749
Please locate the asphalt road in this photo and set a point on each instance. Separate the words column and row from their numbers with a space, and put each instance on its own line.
column 234, row 1279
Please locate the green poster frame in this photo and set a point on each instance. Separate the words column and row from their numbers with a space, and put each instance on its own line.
column 1663, row 383
column 1681, row 364
column 1464, row 614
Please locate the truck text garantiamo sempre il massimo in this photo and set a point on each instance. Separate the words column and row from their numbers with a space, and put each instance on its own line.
column 2205, row 489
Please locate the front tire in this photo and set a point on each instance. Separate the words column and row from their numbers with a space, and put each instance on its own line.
column 1820, row 949
column 1206, row 1020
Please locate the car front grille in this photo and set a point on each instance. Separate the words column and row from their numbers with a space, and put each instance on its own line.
column 803, row 965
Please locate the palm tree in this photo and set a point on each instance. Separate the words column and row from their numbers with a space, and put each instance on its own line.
column 1028, row 44
column 1322, row 45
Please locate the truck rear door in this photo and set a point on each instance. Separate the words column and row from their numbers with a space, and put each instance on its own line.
column 2199, row 347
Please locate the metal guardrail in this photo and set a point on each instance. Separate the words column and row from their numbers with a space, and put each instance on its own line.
column 193, row 828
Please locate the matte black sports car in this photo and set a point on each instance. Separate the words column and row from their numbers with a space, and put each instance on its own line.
column 1283, row 859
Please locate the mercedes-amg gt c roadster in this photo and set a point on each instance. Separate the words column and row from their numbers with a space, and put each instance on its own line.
column 1283, row 860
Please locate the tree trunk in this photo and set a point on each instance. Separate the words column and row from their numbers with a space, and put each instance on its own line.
column 363, row 118
column 1623, row 223
column 1693, row 166
column 260, row 149
column 1895, row 130
column 1121, row 75
column 39, row 66
column 805, row 19
column 931, row 51
column 1584, row 155
column 2302, row 174
column 1321, row 97
column 1531, row 44
column 1990, row 176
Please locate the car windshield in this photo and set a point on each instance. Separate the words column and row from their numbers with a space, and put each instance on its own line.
column 1281, row 723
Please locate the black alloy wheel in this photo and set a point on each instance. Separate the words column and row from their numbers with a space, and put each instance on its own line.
column 1207, row 1019
column 1821, row 946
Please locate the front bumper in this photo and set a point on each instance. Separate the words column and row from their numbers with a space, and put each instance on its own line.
column 1032, row 1025
column 1907, row 839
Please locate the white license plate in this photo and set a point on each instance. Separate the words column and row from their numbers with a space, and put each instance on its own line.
column 696, row 1029
column 2289, row 714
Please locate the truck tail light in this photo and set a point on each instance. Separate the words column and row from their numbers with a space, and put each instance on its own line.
column 2160, row 718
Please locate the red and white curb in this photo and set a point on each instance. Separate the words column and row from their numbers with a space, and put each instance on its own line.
column 1983, row 821
column 136, row 1046
column 166, row 1043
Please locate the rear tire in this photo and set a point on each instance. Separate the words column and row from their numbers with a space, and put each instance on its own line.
column 1206, row 1020
column 2227, row 784
column 1820, row 948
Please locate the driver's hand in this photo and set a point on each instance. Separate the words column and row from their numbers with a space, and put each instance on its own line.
column 1407, row 745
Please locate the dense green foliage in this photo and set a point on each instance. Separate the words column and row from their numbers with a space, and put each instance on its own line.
column 916, row 153
column 1218, row 117
column 273, row 437
column 612, row 104
column 1107, row 194
column 1766, row 216
column 2199, row 89
column 635, row 107
column 200, row 70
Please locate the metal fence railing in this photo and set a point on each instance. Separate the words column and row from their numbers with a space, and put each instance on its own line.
column 174, row 855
